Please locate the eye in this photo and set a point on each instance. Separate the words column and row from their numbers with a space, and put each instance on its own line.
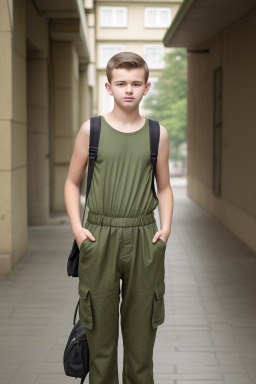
column 120, row 84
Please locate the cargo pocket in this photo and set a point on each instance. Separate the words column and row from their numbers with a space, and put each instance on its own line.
column 158, row 306
column 85, row 305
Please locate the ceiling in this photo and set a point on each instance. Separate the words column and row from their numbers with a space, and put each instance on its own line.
column 198, row 20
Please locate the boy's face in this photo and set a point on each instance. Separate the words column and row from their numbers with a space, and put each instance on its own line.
column 128, row 86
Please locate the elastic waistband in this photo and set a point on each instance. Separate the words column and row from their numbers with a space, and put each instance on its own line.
column 137, row 221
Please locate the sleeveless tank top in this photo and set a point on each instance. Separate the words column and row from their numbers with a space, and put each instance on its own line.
column 121, row 182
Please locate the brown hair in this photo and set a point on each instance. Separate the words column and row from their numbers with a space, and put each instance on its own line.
column 126, row 60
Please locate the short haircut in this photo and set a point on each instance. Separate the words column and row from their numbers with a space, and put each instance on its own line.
column 126, row 60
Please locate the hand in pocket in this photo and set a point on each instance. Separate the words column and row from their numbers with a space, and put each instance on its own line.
column 82, row 234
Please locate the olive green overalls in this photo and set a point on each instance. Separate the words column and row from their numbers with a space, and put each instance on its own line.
column 121, row 219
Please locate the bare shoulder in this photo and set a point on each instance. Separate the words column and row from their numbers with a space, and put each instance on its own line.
column 164, row 137
column 80, row 153
column 83, row 135
column 164, row 133
column 85, row 128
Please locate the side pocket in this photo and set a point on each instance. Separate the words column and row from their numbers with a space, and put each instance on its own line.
column 158, row 314
column 83, row 243
column 85, row 305
column 162, row 242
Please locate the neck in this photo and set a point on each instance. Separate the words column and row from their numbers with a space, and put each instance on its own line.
column 126, row 117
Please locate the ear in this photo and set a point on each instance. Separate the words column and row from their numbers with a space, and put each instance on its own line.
column 147, row 88
column 108, row 88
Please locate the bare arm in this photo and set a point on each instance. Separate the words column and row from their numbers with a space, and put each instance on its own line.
column 164, row 190
column 77, row 167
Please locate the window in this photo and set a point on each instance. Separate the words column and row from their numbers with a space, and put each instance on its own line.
column 153, row 54
column 109, row 50
column 157, row 17
column 113, row 17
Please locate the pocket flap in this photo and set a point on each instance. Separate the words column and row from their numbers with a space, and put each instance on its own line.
column 83, row 290
column 160, row 291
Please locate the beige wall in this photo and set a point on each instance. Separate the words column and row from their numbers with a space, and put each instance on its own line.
column 135, row 22
column 91, row 69
column 65, row 90
column 234, row 50
column 38, row 115
column 13, row 125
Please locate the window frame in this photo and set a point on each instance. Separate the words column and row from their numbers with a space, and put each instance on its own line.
column 113, row 8
column 103, row 45
column 145, row 46
column 157, row 9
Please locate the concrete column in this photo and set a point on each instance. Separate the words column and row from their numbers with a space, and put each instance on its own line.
column 13, row 138
column 65, row 67
column 38, row 140
column 84, row 94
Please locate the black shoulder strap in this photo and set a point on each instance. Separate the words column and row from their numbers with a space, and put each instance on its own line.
column 95, row 126
column 154, row 134
column 75, row 313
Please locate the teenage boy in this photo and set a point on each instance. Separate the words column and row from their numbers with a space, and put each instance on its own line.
column 120, row 239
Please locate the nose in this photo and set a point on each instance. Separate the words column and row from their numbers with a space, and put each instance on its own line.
column 129, row 88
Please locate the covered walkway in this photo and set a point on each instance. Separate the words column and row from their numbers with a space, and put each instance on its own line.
column 209, row 334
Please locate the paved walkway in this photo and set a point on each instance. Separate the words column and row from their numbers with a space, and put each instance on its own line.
column 209, row 334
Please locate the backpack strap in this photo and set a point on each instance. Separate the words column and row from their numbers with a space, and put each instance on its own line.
column 95, row 127
column 154, row 133
column 78, row 303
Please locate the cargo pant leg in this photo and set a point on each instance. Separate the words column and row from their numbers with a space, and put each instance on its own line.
column 99, row 288
column 142, row 306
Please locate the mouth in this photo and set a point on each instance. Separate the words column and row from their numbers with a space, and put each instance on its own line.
column 128, row 98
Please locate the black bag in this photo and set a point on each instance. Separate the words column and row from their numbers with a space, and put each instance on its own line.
column 95, row 127
column 76, row 353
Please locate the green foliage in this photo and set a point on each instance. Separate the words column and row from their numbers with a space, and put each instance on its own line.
column 169, row 105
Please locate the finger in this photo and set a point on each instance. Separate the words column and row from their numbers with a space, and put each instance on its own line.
column 155, row 239
column 91, row 237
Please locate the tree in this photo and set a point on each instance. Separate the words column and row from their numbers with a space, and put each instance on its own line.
column 168, row 101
